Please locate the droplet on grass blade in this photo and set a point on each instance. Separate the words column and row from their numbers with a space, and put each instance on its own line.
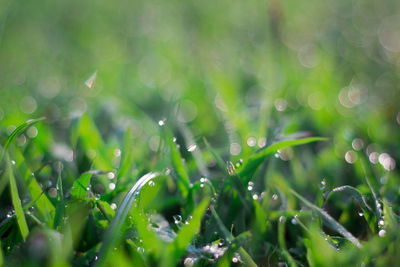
column 92, row 79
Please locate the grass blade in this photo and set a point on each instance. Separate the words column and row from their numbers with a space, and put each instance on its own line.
column 353, row 192
column 79, row 188
column 16, row 201
column 113, row 233
column 17, row 132
column 248, row 261
column 282, row 243
column 183, row 177
column 331, row 222
column 177, row 248
column 252, row 163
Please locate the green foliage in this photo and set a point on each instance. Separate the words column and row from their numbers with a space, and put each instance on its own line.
column 185, row 133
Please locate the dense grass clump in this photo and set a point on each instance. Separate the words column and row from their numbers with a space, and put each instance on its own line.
column 199, row 133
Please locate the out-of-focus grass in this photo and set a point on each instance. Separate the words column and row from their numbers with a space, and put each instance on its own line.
column 252, row 78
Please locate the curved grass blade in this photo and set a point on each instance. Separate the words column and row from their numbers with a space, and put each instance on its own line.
column 113, row 233
column 16, row 201
column 331, row 222
column 252, row 163
column 60, row 208
column 17, row 132
column 352, row 192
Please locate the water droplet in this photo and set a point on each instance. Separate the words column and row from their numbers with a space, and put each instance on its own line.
column 113, row 206
column 177, row 219
column 191, row 148
column 294, row 221
column 360, row 213
column 357, row 144
column 151, row 183
column 250, row 188
column 350, row 157
column 274, row 197
column 235, row 149
column 31, row 208
column 188, row 262
column 381, row 222
column 255, row 197
column 161, row 122
column 322, row 185
column 13, row 162
column 203, row 180
column 276, row 155
column 382, row 233
column 117, row 152
column 110, row 175
column 251, row 141
column 111, row 186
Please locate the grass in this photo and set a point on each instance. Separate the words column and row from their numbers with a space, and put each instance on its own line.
column 163, row 133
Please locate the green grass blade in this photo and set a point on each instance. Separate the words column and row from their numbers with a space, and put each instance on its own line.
column 353, row 192
column 282, row 243
column 230, row 238
column 16, row 201
column 79, row 188
column 114, row 231
column 43, row 204
column 126, row 155
column 17, row 132
column 60, row 200
column 183, row 177
column 216, row 157
column 252, row 163
column 177, row 248
column 331, row 222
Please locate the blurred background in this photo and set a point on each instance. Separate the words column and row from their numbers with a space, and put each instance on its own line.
column 240, row 73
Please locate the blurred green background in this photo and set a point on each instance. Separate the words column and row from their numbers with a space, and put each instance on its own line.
column 235, row 72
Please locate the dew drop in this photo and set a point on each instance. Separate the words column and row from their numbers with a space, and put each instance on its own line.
column 322, row 185
column 294, row 221
column 13, row 162
column 113, row 206
column 360, row 213
column 381, row 222
column 110, row 175
column 111, row 186
column 177, row 219
column 382, row 233
column 275, row 197
column 161, row 122
column 151, row 183
column 255, row 197
column 191, row 148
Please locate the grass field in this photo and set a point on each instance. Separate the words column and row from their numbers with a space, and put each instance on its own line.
column 199, row 133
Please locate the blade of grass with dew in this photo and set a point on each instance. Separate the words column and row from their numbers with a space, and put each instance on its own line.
column 353, row 192
column 17, row 132
column 16, row 201
column 60, row 208
column 248, row 261
column 92, row 141
column 216, row 157
column 331, row 222
column 282, row 243
column 183, row 177
column 237, row 184
column 43, row 204
column 251, row 164
column 126, row 155
column 1, row 256
column 113, row 232
column 177, row 248
column 79, row 189
column 150, row 241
